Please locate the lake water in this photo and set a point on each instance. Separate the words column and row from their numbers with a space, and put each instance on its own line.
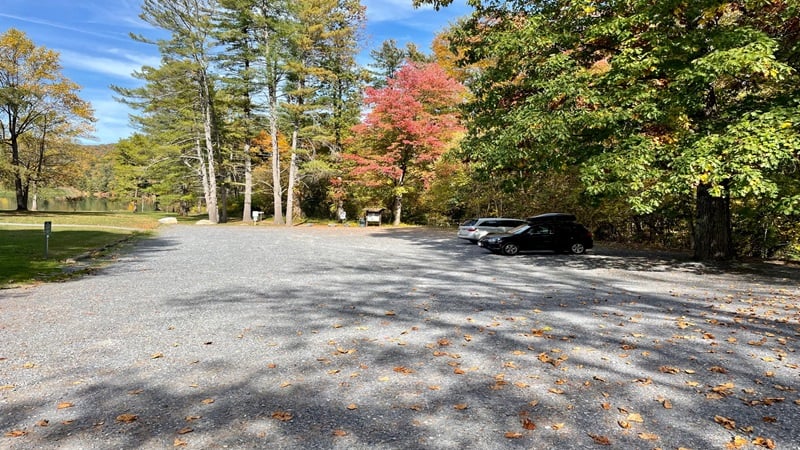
column 83, row 205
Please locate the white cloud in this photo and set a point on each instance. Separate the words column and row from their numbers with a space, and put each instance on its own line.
column 117, row 67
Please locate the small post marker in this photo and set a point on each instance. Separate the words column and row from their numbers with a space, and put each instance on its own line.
column 48, row 226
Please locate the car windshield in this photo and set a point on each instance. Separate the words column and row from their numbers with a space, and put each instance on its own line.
column 520, row 229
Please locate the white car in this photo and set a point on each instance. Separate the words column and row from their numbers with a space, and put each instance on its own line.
column 476, row 228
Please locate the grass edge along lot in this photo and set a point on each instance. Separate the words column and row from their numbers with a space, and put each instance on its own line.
column 22, row 242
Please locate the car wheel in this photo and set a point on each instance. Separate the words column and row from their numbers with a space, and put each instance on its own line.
column 577, row 248
column 510, row 249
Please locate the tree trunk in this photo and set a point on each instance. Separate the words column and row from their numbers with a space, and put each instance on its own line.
column 247, row 214
column 208, row 121
column 277, row 192
column 16, row 166
column 292, row 175
column 398, row 209
column 712, row 240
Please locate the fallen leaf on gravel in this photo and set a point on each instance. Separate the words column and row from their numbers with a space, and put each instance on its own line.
column 605, row 406
column 135, row 391
column 461, row 406
column 156, row 355
column 458, row 371
column 527, row 423
column 127, row 418
column 43, row 423
column 724, row 389
column 557, row 426
column 6, row 387
column 718, row 369
column 736, row 443
column 443, row 342
column 729, row 424
column 769, row 419
column 513, row 435
column 339, row 433
column 352, row 406
column 648, row 436
column 623, row 424
column 634, row 417
column 185, row 430
column 285, row 384
column 598, row 439
column 178, row 442
column 193, row 418
column 555, row 391
column 389, row 313
column 643, row 381
column 764, row 442
column 403, row 370
column 668, row 369
column 521, row 384
column 28, row 365
column 65, row 405
column 283, row 416
column 16, row 433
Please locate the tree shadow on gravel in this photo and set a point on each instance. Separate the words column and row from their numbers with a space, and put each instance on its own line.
column 419, row 349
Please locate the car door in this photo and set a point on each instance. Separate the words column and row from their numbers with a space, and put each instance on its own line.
column 540, row 236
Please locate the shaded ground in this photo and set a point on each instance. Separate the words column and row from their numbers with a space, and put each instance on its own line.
column 314, row 337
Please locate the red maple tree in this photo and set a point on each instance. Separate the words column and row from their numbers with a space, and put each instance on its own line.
column 411, row 123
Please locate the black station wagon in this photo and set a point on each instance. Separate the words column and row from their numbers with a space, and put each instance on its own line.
column 556, row 232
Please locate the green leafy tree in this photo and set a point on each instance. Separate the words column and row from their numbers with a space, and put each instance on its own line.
column 654, row 102
column 36, row 101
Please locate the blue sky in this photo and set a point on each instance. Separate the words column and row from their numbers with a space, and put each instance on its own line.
column 92, row 37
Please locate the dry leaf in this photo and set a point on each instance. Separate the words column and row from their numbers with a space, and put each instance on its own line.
column 339, row 433
column 527, row 423
column 283, row 416
column 352, row 406
column 513, row 435
column 598, row 439
column 633, row 417
column 208, row 401
column 605, row 406
column 443, row 342
column 458, row 371
column 461, row 406
column 764, row 442
column 718, row 369
column 403, row 370
column 65, row 405
column 193, row 418
column 623, row 424
column 648, row 436
column 43, row 423
column 557, row 426
column 127, row 418
column 736, row 443
column 668, row 369
column 16, row 433
column 388, row 313
column 178, row 442
column 555, row 391
column 156, row 355
column 185, row 430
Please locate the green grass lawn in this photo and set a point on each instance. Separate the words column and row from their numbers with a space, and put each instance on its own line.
column 22, row 247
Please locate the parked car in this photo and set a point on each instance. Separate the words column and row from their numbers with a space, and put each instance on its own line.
column 476, row 228
column 553, row 231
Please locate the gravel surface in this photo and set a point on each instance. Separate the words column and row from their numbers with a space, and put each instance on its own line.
column 367, row 338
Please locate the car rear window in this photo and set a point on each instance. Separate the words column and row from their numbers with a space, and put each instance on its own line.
column 469, row 222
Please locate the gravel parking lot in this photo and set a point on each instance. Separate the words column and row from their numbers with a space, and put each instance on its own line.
column 368, row 338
